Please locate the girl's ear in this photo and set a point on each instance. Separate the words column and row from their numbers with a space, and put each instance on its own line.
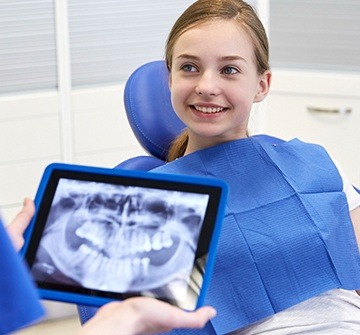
column 263, row 87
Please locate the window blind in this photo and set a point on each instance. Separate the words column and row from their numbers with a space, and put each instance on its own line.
column 110, row 38
column 315, row 34
column 27, row 45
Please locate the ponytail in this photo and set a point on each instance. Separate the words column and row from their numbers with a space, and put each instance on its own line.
column 178, row 146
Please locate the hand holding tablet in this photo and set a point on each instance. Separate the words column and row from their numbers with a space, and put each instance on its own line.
column 105, row 234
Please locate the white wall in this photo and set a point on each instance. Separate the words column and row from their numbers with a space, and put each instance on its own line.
column 32, row 137
column 318, row 107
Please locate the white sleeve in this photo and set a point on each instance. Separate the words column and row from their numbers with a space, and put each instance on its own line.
column 353, row 197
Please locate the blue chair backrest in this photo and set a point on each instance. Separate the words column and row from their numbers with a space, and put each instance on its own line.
column 149, row 110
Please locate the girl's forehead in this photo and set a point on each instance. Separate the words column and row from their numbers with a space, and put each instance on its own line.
column 217, row 28
column 219, row 36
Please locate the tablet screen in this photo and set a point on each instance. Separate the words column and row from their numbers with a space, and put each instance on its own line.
column 115, row 236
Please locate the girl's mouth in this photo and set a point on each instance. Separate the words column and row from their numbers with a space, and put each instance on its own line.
column 208, row 110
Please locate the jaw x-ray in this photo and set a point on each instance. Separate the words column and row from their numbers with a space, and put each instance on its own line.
column 121, row 238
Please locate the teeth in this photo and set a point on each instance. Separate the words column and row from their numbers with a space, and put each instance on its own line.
column 121, row 243
column 134, row 242
column 92, row 265
column 156, row 241
column 162, row 239
column 127, row 268
column 140, row 242
column 121, row 273
column 147, row 243
column 85, row 249
column 80, row 256
column 95, row 262
column 82, row 232
column 136, row 267
column 166, row 239
column 145, row 266
column 94, row 233
column 209, row 110
column 119, row 269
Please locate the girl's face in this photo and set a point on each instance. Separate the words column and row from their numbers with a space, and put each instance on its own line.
column 214, row 82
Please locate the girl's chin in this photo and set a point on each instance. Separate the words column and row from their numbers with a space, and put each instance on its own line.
column 209, row 137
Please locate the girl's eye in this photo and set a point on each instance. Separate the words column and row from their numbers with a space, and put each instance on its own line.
column 230, row 70
column 188, row 68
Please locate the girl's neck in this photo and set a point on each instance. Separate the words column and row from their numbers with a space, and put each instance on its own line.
column 194, row 146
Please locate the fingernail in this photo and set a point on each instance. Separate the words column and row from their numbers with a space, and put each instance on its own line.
column 213, row 312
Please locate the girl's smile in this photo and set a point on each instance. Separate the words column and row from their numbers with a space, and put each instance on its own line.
column 204, row 110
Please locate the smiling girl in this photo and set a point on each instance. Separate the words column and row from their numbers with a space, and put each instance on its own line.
column 288, row 260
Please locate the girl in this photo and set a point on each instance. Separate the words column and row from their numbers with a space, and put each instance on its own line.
column 288, row 259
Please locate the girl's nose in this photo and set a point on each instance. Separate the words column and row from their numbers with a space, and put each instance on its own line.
column 207, row 85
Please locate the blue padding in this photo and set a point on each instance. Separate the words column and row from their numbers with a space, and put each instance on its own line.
column 149, row 110
column 142, row 163
column 86, row 312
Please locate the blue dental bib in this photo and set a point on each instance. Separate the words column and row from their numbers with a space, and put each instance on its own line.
column 287, row 234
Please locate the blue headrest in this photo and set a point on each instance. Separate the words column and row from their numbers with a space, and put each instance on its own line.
column 149, row 110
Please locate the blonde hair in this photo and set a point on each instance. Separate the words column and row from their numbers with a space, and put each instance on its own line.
column 203, row 11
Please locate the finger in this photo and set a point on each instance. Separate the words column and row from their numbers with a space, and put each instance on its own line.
column 23, row 218
column 17, row 227
column 196, row 319
column 204, row 314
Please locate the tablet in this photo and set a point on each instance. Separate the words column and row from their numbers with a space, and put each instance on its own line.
column 103, row 234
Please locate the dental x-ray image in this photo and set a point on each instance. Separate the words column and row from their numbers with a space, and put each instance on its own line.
column 120, row 238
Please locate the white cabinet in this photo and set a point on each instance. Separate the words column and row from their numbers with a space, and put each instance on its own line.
column 30, row 139
column 320, row 108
